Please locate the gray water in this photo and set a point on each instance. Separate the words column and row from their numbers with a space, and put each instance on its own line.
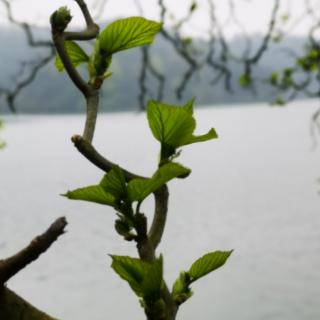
column 254, row 190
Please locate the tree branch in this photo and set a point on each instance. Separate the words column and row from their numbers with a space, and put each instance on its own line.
column 161, row 195
column 59, row 42
column 12, row 265
column 13, row 307
column 90, row 153
column 59, row 37
column 180, row 48
column 160, row 216
column 11, row 95
column 248, row 62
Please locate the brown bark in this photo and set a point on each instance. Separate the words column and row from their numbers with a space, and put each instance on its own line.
column 13, row 307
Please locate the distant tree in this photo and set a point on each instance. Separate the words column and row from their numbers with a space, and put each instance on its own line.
column 299, row 77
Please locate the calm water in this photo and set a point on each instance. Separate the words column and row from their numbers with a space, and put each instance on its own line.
column 254, row 190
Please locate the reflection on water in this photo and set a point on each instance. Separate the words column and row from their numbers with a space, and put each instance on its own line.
column 253, row 190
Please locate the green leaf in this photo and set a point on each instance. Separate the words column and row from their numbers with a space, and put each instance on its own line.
column 2, row 143
column 212, row 134
column 180, row 290
column 130, row 270
column 244, row 80
column 274, row 77
column 314, row 54
column 124, row 227
column 285, row 17
column 153, row 280
column 279, row 101
column 139, row 189
column 187, row 41
column 144, row 278
column 208, row 263
column 111, row 189
column 173, row 126
column 75, row 53
column 99, row 62
column 128, row 33
column 277, row 38
column 92, row 194
column 114, row 183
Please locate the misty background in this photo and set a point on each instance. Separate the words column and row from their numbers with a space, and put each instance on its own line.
column 53, row 92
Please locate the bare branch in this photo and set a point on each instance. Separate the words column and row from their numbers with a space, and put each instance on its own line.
column 180, row 48
column 12, row 265
column 248, row 62
column 222, row 64
column 143, row 77
column 11, row 95
column 25, row 27
column 90, row 153
column 160, row 216
column 147, row 65
column 90, row 91
column 233, row 18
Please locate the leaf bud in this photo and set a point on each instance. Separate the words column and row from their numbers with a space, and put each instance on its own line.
column 60, row 19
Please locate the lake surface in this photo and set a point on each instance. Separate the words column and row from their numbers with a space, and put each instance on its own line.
column 254, row 190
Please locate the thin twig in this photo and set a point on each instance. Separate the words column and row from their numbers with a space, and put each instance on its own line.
column 90, row 153
column 180, row 48
column 90, row 92
column 254, row 59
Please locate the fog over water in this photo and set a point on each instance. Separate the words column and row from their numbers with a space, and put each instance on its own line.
column 254, row 190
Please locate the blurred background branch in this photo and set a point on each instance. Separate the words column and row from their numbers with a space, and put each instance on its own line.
column 218, row 60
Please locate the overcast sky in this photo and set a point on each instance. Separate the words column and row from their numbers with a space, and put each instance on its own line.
column 253, row 14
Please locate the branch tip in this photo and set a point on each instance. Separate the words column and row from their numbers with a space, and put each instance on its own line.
column 76, row 139
column 12, row 265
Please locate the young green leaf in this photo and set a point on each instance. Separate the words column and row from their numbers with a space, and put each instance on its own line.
column 173, row 126
column 139, row 189
column 279, row 101
column 144, row 278
column 244, row 80
column 99, row 62
column 60, row 19
column 208, row 263
column 180, row 290
column 114, row 183
column 128, row 33
column 93, row 194
column 75, row 53
column 274, row 78
column 130, row 270
column 153, row 280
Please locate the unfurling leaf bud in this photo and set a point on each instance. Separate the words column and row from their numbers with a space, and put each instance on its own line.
column 123, row 228
column 60, row 19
